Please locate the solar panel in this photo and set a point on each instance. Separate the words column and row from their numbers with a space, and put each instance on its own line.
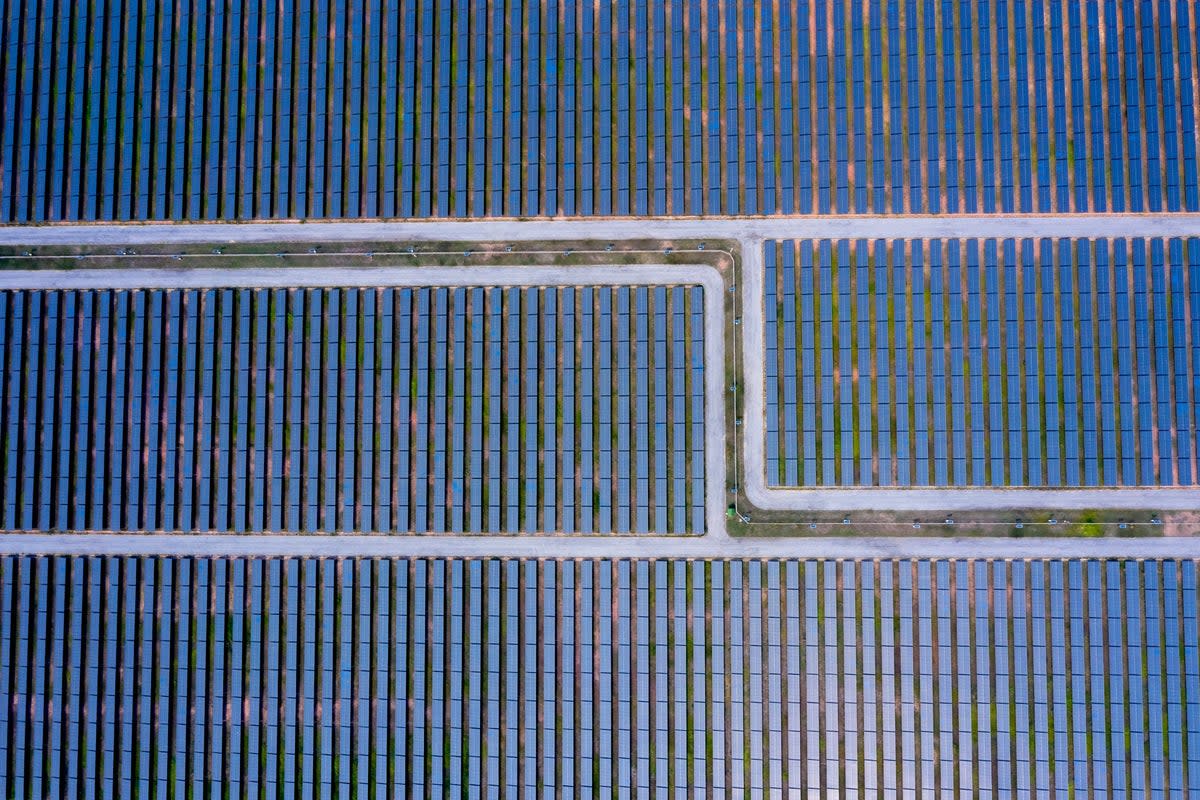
column 1059, row 335
column 646, row 112
column 328, row 409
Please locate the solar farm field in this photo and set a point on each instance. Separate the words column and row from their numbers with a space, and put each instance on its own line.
column 982, row 362
column 438, row 677
column 466, row 108
column 442, row 409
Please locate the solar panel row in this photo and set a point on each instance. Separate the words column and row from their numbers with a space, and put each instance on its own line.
column 429, row 409
column 438, row 677
column 983, row 362
column 187, row 110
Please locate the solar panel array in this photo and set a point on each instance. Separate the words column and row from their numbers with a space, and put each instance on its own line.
column 466, row 108
column 399, row 678
column 473, row 409
column 982, row 362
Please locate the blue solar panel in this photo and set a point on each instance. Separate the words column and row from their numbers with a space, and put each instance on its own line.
column 399, row 114
column 362, row 409
column 1056, row 362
